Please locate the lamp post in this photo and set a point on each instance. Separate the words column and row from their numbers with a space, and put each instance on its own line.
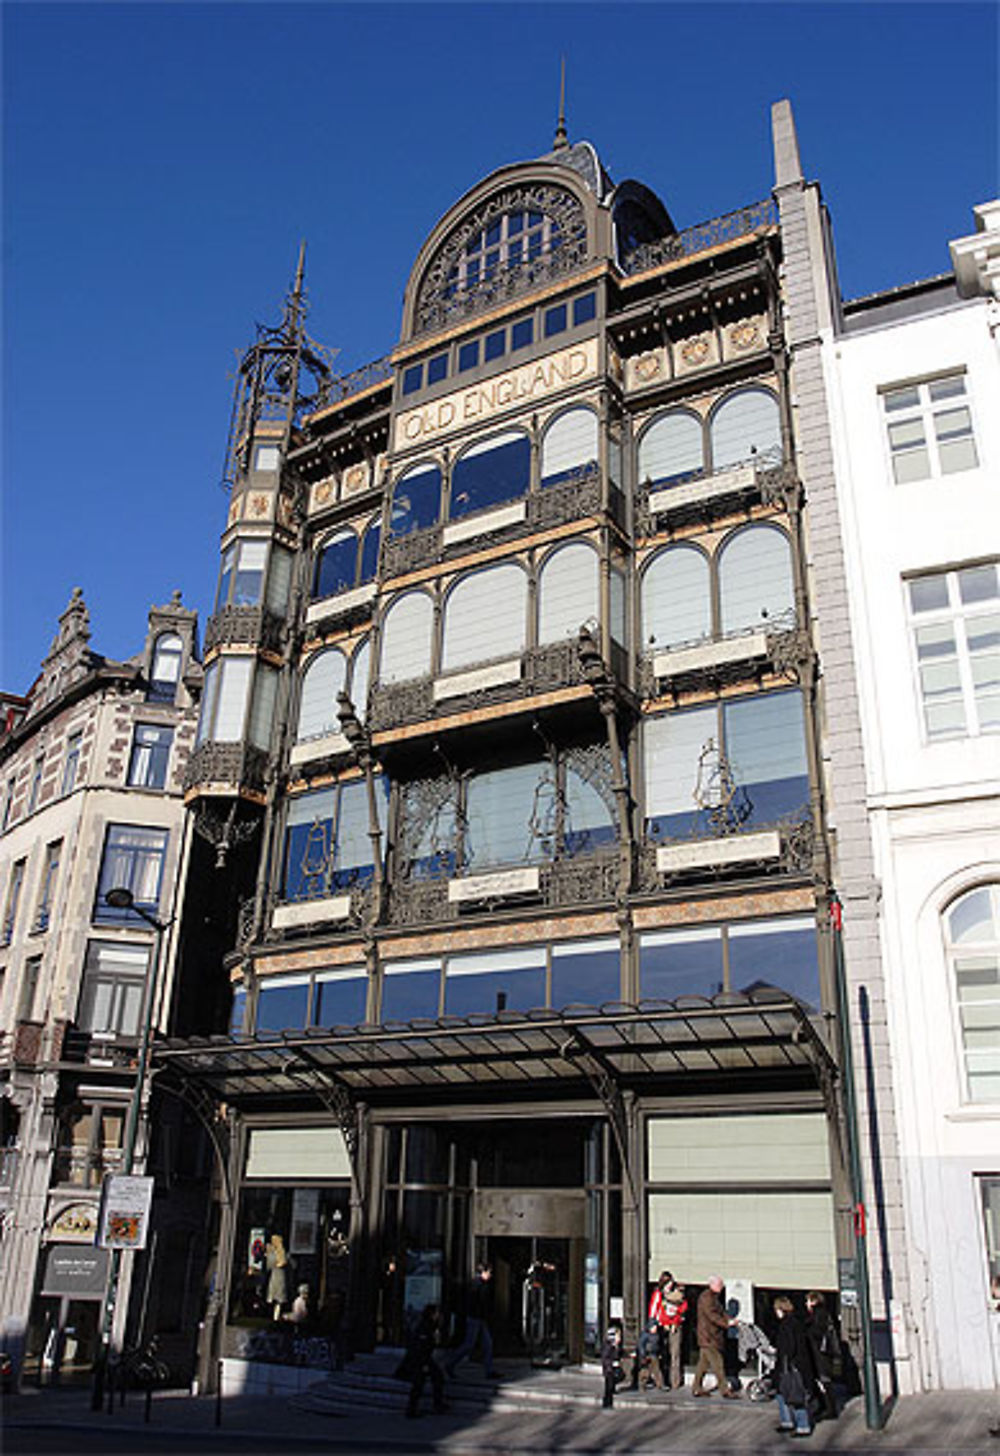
column 122, row 898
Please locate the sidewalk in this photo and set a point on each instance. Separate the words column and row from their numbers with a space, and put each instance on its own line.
column 928, row 1425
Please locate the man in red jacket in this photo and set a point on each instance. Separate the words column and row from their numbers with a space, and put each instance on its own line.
column 713, row 1322
column 668, row 1307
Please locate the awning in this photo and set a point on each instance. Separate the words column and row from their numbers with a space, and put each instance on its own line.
column 661, row 1042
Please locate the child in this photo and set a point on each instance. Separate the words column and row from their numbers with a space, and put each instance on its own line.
column 611, row 1364
column 647, row 1358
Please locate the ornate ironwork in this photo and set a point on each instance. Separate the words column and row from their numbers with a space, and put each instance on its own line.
column 429, row 812
column 790, row 651
column 745, row 222
column 569, row 500
column 779, row 485
column 223, row 829
column 252, row 626
column 556, row 665
column 245, row 923
column 797, row 839
column 403, row 702
column 342, row 386
column 233, row 764
column 402, row 554
column 582, row 879
column 440, row 302
column 723, row 804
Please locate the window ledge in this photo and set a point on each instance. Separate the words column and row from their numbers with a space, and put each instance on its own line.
column 308, row 912
column 705, row 655
column 494, row 886
column 342, row 602
column 479, row 525
column 331, row 745
column 737, row 849
column 984, row 1112
column 742, row 477
column 496, row 675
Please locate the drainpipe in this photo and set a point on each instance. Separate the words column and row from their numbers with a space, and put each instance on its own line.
column 874, row 1417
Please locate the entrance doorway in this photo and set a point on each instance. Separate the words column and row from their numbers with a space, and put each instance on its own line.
column 538, row 1297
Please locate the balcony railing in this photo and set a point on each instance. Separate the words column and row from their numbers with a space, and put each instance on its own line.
column 778, row 646
column 744, row 223
column 701, row 495
column 229, row 765
column 787, row 847
column 347, row 910
column 587, row 878
column 102, row 1049
column 245, row 626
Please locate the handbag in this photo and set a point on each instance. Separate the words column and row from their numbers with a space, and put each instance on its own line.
column 793, row 1387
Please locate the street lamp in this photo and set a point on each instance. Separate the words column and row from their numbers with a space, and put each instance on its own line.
column 122, row 898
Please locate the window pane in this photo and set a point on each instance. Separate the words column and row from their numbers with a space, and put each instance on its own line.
column 766, row 749
column 907, row 433
column 337, row 566
column 407, row 638
column 369, row 552
column 232, row 703
column 490, row 474
column 249, row 579
column 555, row 320
column 755, row 580
column 485, row 617
column 437, row 369
column 360, row 668
column 283, row 1006
column 309, row 845
column 510, row 812
column 473, row 983
column 947, row 388
column 522, row 333
column 673, row 748
column 265, row 691
column 584, row 309
column 745, row 425
column 411, row 992
column 957, row 455
column 680, row 963
column 340, row 1001
column 495, row 344
column 589, row 821
column 779, row 953
column 413, row 378
column 676, row 604
column 354, row 845
column 929, row 593
column 911, row 465
column 588, row 974
column 468, row 355
column 416, row 500
column 279, row 580
column 972, row 921
column 940, row 679
column 570, row 445
column 322, row 681
column 569, row 592
column 898, row 399
column 978, row 584
column 671, row 447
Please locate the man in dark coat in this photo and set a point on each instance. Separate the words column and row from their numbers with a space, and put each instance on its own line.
column 478, row 1314
column 713, row 1322
column 419, row 1361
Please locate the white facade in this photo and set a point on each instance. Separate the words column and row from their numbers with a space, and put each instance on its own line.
column 921, row 535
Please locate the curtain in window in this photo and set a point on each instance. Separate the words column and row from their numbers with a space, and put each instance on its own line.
column 416, row 500
column 568, row 592
column 673, row 746
column 322, row 680
column 251, row 557
column 231, row 707
column 570, row 445
column 114, row 981
column 485, row 617
column 489, row 474
column 676, row 598
column 337, row 565
column 746, row 424
column 766, row 748
column 407, row 638
column 511, row 816
column 755, row 580
column 672, row 446
column 133, row 860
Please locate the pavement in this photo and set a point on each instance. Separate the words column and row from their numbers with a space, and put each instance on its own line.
column 529, row 1412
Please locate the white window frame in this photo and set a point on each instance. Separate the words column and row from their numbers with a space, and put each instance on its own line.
column 957, row 614
column 924, row 410
column 953, row 950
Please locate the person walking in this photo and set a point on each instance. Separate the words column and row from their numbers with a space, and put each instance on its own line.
column 796, row 1371
column 612, row 1366
column 713, row 1322
column 647, row 1370
column 828, row 1357
column 418, row 1363
column 478, row 1313
column 668, row 1306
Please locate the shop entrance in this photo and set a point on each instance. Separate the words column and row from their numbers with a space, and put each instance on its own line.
column 538, row 1308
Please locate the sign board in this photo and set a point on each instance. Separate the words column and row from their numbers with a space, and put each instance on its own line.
column 74, row 1272
column 739, row 1299
column 126, row 1201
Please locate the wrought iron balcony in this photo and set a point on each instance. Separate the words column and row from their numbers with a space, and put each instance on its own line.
column 247, row 627
column 746, row 222
column 573, row 499
column 230, row 766
column 701, row 497
column 341, row 911
column 99, row 1049
column 785, row 848
column 777, row 646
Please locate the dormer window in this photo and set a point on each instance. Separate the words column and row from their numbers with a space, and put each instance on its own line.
column 512, row 238
column 165, row 673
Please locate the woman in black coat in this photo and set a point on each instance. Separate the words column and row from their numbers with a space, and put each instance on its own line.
column 796, row 1370
column 827, row 1354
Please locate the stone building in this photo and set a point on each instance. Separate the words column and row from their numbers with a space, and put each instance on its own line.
column 530, row 700
column 913, row 376
column 92, row 761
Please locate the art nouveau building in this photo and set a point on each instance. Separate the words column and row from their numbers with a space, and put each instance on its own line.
column 92, row 760
column 913, row 378
column 514, row 684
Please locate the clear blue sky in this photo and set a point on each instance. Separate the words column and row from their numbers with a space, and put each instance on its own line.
column 161, row 163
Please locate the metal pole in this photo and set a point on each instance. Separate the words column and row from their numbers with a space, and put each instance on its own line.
column 128, row 1147
column 873, row 1403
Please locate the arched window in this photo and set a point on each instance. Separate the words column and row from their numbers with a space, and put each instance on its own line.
column 746, row 425
column 165, row 672
column 485, row 617
column 676, row 598
column 673, row 446
column 416, row 500
column 513, row 237
column 755, row 580
column 488, row 474
column 360, row 671
column 336, row 565
column 570, row 445
column 568, row 592
column 407, row 638
column 322, row 680
column 369, row 551
column 972, row 937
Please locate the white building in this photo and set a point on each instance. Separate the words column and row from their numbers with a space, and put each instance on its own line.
column 913, row 381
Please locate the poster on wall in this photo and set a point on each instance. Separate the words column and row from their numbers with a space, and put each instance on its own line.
column 256, row 1245
column 422, row 1285
column 305, row 1218
column 126, row 1201
column 739, row 1299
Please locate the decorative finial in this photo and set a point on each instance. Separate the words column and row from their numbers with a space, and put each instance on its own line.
column 561, row 141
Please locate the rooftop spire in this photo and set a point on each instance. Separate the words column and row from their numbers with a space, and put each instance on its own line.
column 561, row 140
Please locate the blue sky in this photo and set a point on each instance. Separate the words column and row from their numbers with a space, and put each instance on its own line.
column 162, row 162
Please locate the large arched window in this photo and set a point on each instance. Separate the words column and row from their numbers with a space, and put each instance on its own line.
column 570, row 445
column 322, row 680
column 972, row 937
column 568, row 592
column 490, row 473
column 165, row 671
column 485, row 617
column 755, row 580
column 513, row 237
column 744, row 426
column 336, row 565
column 416, row 500
column 676, row 598
column 407, row 638
column 671, row 447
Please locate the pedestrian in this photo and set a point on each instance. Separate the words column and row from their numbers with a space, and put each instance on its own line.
column 647, row 1369
column 828, row 1356
column 478, row 1314
column 796, row 1371
column 300, row 1311
column 713, row 1322
column 611, row 1364
column 668, row 1306
column 418, row 1363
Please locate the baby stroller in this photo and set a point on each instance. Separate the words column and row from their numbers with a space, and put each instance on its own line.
column 754, row 1343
